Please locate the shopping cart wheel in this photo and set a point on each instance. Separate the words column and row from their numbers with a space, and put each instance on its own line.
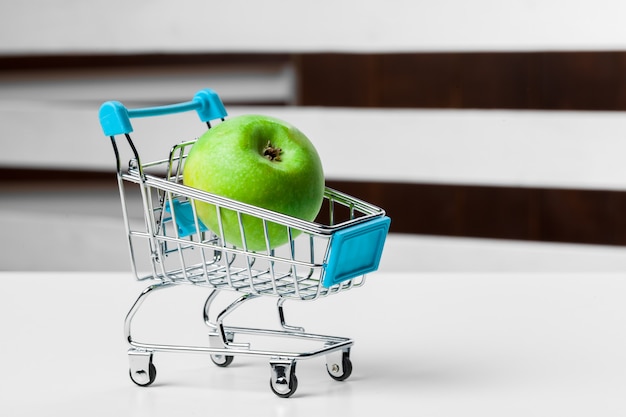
column 142, row 371
column 222, row 360
column 339, row 365
column 216, row 341
column 142, row 378
column 283, row 381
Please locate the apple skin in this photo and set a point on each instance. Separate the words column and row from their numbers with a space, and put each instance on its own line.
column 231, row 160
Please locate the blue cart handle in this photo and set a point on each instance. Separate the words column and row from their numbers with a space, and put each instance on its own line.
column 115, row 117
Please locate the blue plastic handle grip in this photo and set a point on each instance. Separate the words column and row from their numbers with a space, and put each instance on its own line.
column 115, row 117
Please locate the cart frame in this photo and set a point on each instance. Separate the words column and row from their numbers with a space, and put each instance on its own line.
column 322, row 258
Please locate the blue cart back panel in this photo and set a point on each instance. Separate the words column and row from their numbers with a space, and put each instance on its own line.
column 356, row 251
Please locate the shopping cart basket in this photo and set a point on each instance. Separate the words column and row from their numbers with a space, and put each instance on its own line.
column 329, row 255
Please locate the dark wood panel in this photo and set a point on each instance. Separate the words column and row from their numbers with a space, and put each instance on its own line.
column 338, row 80
column 533, row 214
column 513, row 80
column 589, row 80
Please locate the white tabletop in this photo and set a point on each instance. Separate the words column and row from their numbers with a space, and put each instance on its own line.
column 436, row 344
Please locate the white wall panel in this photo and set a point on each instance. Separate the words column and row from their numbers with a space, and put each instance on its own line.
column 122, row 26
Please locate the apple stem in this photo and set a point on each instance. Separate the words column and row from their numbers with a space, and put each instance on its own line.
column 272, row 153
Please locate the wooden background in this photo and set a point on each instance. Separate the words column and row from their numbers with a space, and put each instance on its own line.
column 589, row 81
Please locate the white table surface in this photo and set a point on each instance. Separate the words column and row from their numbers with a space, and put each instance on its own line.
column 431, row 344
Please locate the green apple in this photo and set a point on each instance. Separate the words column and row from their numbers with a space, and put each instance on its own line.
column 258, row 160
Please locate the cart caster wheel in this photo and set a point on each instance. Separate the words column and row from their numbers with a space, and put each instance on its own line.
column 283, row 381
column 288, row 390
column 142, row 371
column 340, row 370
column 222, row 360
column 216, row 341
column 141, row 378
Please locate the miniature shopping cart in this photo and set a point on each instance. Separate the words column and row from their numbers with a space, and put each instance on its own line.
column 329, row 255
